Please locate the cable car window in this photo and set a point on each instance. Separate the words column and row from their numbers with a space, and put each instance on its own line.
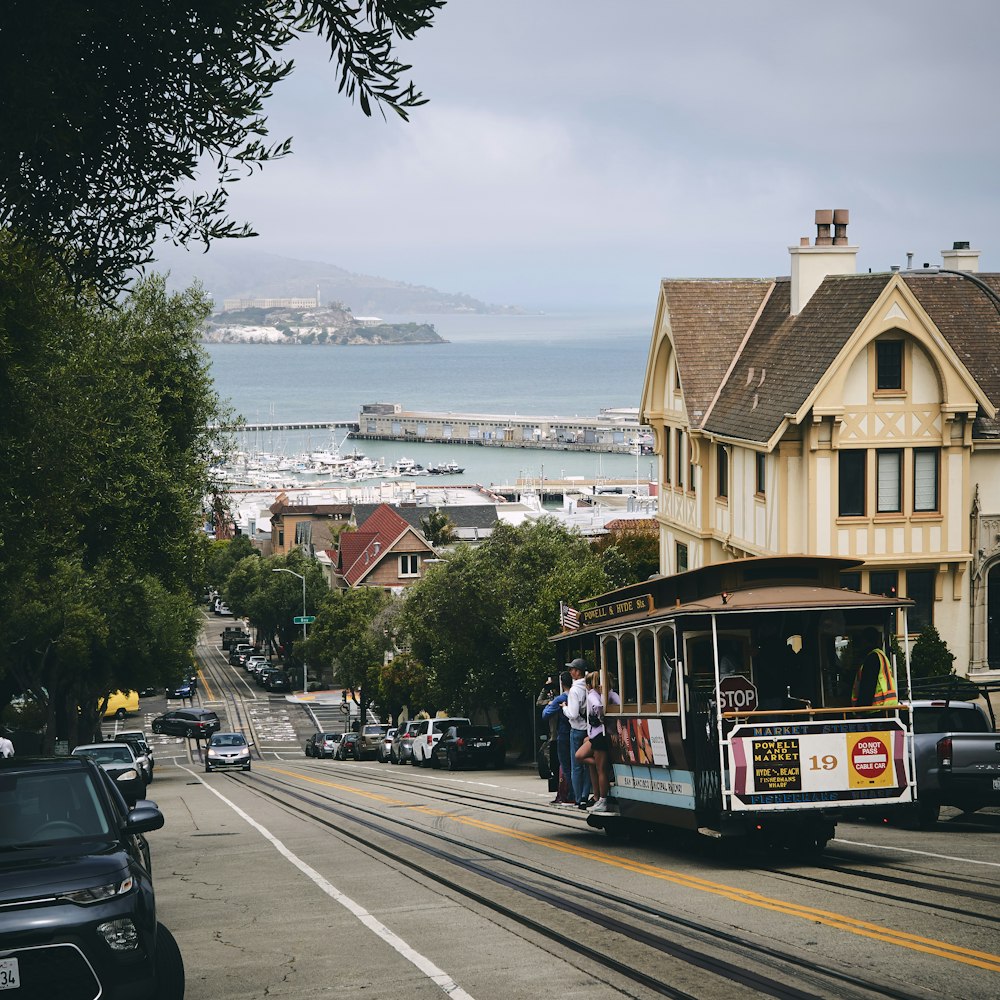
column 630, row 687
column 668, row 670
column 610, row 651
column 647, row 672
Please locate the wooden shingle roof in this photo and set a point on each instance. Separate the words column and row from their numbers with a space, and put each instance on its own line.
column 709, row 319
column 786, row 356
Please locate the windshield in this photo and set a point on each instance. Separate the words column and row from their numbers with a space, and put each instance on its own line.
column 46, row 807
column 106, row 755
column 227, row 740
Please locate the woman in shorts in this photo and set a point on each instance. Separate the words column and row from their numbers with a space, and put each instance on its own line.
column 595, row 751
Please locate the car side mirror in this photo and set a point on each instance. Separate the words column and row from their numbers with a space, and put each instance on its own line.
column 144, row 817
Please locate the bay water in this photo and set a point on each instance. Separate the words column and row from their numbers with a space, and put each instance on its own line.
column 557, row 364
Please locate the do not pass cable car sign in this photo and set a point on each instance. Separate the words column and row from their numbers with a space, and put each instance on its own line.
column 737, row 694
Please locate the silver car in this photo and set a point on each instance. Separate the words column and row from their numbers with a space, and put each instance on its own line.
column 227, row 750
column 136, row 739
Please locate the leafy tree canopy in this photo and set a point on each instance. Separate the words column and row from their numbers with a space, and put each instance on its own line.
column 114, row 107
column 104, row 446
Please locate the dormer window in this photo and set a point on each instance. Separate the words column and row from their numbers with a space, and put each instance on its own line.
column 409, row 565
column 889, row 359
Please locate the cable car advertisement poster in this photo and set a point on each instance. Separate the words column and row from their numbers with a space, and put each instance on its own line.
column 791, row 766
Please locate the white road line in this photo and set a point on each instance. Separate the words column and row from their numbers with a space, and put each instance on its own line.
column 909, row 850
column 425, row 965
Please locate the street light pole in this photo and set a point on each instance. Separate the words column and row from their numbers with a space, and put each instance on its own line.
column 305, row 685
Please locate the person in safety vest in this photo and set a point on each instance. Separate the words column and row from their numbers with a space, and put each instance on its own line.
column 874, row 683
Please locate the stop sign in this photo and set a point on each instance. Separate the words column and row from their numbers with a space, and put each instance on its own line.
column 737, row 694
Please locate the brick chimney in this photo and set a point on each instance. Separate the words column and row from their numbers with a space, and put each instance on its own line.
column 960, row 257
column 829, row 255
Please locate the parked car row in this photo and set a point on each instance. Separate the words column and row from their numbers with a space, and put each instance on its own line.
column 452, row 743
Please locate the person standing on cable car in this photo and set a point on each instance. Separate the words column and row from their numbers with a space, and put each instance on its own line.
column 874, row 684
column 575, row 711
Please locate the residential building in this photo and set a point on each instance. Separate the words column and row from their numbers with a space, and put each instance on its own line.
column 385, row 551
column 838, row 413
column 310, row 527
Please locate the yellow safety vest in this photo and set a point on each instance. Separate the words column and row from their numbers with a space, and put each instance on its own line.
column 885, row 687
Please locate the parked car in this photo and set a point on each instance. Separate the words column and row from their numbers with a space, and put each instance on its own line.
column 262, row 675
column 183, row 689
column 323, row 744
column 79, row 909
column 428, row 734
column 136, row 739
column 221, row 608
column 957, row 758
column 121, row 703
column 234, row 634
column 401, row 750
column 370, row 739
column 347, row 748
column 118, row 760
column 385, row 747
column 227, row 750
column 469, row 746
column 278, row 680
column 194, row 723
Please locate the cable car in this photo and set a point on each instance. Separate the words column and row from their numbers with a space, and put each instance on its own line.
column 735, row 686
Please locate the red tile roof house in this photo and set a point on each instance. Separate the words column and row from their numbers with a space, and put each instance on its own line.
column 386, row 551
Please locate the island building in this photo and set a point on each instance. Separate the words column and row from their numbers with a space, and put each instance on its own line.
column 231, row 305
column 836, row 413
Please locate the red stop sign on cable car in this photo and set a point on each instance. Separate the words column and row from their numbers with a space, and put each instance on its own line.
column 737, row 694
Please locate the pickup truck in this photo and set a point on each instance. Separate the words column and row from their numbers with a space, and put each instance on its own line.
column 234, row 634
column 957, row 757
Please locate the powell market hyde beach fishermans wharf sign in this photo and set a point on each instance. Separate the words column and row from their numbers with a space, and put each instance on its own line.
column 642, row 604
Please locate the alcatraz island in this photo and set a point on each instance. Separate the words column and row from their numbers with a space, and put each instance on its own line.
column 307, row 321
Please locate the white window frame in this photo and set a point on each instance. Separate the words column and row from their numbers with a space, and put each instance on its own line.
column 409, row 564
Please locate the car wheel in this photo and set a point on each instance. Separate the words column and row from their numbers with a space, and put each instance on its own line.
column 247, row 768
column 121, row 714
column 435, row 761
column 452, row 761
column 169, row 966
column 927, row 814
column 208, row 770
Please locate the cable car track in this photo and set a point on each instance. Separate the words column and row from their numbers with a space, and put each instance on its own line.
column 629, row 918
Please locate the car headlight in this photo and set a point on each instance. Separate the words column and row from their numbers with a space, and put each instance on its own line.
column 99, row 893
column 213, row 753
column 120, row 935
column 130, row 775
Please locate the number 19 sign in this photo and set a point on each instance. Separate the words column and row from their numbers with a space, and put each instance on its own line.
column 817, row 764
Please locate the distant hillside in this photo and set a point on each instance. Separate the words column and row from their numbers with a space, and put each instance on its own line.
column 235, row 271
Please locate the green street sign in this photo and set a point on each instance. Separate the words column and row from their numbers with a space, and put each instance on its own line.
column 304, row 619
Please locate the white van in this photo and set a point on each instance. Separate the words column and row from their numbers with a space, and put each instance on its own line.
column 428, row 733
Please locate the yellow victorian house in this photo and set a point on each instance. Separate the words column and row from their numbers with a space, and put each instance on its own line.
column 838, row 413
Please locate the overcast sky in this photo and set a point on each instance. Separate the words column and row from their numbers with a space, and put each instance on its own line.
column 574, row 152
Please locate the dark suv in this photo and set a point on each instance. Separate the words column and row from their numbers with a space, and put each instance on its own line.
column 77, row 910
column 195, row 723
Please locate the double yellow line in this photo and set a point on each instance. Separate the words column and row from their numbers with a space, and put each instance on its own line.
column 863, row 928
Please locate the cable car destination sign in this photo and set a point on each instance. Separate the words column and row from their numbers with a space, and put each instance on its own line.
column 642, row 604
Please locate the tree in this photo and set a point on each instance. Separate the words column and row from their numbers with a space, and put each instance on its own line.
column 437, row 528
column 104, row 443
column 630, row 552
column 930, row 656
column 346, row 635
column 480, row 620
column 222, row 557
column 113, row 108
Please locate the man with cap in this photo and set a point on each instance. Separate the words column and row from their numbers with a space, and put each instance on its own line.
column 575, row 711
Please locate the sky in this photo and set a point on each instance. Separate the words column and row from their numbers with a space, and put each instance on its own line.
column 575, row 152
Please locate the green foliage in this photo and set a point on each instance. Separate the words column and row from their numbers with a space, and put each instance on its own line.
column 629, row 554
column 104, row 446
column 222, row 557
column 930, row 656
column 112, row 108
column 437, row 528
column 480, row 621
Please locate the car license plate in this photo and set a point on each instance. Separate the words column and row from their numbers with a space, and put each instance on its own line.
column 480, row 743
column 9, row 978
column 996, row 784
